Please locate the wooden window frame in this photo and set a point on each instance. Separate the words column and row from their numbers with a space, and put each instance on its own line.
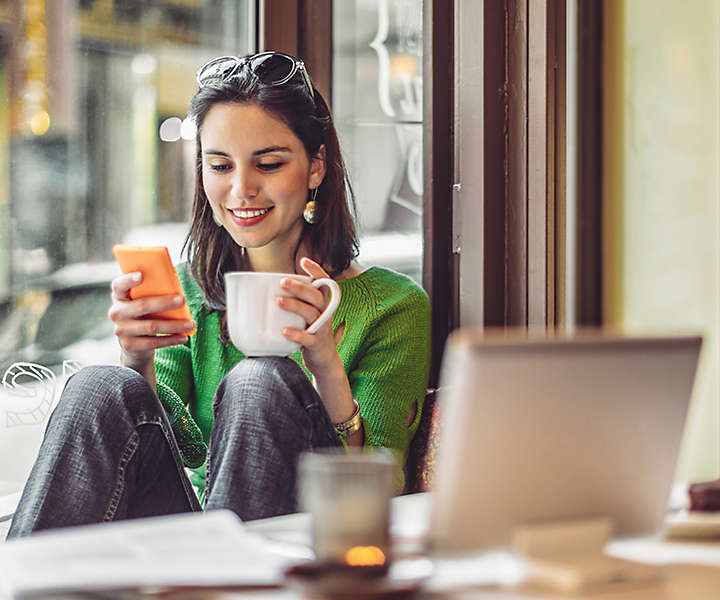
column 440, row 264
column 302, row 28
column 534, row 104
column 589, row 305
column 523, row 108
column 522, row 154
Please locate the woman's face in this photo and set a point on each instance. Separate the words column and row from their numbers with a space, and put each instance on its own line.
column 256, row 175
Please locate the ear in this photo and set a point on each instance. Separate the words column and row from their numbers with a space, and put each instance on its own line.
column 317, row 168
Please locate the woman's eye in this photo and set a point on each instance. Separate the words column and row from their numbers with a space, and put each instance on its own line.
column 219, row 167
column 269, row 166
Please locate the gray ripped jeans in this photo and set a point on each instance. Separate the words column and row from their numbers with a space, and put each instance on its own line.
column 109, row 452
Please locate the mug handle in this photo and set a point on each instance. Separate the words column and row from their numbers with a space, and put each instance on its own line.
column 330, row 309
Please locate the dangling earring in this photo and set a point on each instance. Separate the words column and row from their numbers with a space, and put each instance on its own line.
column 310, row 209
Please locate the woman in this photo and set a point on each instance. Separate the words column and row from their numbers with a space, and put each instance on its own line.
column 271, row 195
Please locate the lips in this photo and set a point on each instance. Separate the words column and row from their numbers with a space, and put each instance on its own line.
column 247, row 217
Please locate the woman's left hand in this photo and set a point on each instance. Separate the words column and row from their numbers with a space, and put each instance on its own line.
column 319, row 349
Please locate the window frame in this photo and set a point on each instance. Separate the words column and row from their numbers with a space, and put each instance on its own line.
column 522, row 279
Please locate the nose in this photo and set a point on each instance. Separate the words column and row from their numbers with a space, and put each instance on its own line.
column 244, row 184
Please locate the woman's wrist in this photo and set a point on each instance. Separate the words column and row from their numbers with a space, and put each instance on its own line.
column 350, row 432
column 351, row 425
column 334, row 390
column 146, row 367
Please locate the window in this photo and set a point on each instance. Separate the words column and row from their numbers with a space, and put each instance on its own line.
column 377, row 100
column 95, row 149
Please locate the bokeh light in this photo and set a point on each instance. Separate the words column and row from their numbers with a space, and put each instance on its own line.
column 40, row 122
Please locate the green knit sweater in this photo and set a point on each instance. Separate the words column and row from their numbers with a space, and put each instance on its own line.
column 385, row 349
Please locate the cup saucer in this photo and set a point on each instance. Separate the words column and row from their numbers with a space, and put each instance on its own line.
column 402, row 580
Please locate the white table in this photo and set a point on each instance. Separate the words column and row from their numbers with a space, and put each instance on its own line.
column 690, row 570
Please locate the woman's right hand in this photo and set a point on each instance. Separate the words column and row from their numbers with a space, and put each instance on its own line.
column 139, row 335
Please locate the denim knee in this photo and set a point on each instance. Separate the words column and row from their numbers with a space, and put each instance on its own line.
column 251, row 368
column 105, row 390
column 262, row 386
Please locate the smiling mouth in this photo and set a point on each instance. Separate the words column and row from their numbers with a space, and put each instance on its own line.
column 248, row 214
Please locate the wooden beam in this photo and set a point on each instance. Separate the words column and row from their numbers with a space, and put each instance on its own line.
column 590, row 164
column 439, row 262
column 516, row 164
column 302, row 28
column 539, row 209
column 496, row 93
column 279, row 26
column 315, row 43
column 557, row 86
column 524, row 162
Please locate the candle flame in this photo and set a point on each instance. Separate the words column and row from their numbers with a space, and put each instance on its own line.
column 364, row 556
column 40, row 123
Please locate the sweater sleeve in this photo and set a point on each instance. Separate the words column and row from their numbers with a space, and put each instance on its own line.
column 175, row 388
column 176, row 383
column 391, row 376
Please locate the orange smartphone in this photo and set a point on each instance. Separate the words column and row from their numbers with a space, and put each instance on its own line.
column 159, row 276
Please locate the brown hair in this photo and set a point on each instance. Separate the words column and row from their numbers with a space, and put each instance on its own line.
column 332, row 239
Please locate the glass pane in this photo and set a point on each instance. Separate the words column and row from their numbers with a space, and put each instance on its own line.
column 94, row 150
column 377, row 104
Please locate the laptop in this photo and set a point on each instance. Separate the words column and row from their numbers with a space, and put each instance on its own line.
column 552, row 429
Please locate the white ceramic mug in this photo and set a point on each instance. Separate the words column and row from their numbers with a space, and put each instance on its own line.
column 255, row 321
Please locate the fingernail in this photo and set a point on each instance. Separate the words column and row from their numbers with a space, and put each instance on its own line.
column 179, row 300
column 136, row 276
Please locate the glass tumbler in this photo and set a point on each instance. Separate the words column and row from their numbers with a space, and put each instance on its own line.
column 348, row 496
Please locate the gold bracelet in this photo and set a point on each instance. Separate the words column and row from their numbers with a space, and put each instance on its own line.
column 352, row 425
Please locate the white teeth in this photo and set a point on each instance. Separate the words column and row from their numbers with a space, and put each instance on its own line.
column 246, row 214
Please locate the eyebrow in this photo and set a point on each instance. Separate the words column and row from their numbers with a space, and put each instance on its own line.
column 260, row 152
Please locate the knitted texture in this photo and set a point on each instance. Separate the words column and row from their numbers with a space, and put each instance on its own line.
column 385, row 349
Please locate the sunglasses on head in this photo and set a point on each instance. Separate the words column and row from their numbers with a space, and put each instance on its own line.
column 269, row 68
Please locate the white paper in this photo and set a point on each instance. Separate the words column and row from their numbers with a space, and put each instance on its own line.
column 656, row 551
column 212, row 548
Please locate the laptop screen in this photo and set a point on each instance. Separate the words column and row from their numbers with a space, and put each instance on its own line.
column 553, row 429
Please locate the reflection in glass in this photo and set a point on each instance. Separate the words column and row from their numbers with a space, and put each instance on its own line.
column 377, row 101
column 90, row 89
column 87, row 86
